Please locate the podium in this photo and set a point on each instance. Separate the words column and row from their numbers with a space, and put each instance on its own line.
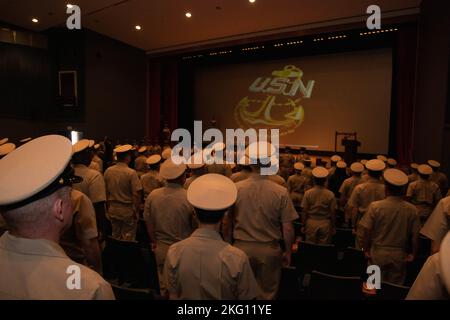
column 350, row 143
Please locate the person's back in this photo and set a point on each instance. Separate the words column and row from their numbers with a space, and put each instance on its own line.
column 296, row 185
column 320, row 201
column 205, row 255
column 93, row 184
column 366, row 193
column 118, row 180
column 151, row 181
column 424, row 194
column 170, row 213
column 40, row 270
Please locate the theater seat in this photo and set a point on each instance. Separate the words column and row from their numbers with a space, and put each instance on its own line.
column 353, row 263
column 330, row 287
column 390, row 291
column 343, row 238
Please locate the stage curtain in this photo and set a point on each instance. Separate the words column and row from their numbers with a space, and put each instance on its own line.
column 162, row 97
column 404, row 98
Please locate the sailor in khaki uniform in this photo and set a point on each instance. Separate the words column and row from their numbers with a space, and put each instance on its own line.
column 140, row 164
column 438, row 224
column 204, row 266
column 80, row 241
column 319, row 207
column 307, row 173
column 93, row 184
column 36, row 204
column 334, row 160
column 389, row 228
column 245, row 170
column 152, row 180
column 391, row 163
column 123, row 189
column 347, row 188
column 438, row 176
column 168, row 215
column 215, row 155
column 296, row 185
column 262, row 216
column 197, row 167
column 366, row 193
column 424, row 193
column 97, row 162
column 414, row 175
column 433, row 281
column 286, row 163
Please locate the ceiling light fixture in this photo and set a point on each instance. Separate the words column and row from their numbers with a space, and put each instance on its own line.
column 138, row 27
column 35, row 20
column 188, row 14
column 252, row 1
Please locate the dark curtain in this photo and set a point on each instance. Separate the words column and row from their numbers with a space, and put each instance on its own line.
column 402, row 119
column 162, row 105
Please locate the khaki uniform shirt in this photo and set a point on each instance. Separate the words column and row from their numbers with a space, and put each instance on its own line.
column 98, row 160
column 441, row 180
column 348, row 186
column 307, row 173
column 203, row 266
column 366, row 193
column 424, row 195
column 37, row 270
column 429, row 284
column 278, row 180
column 438, row 223
column 170, row 213
column 122, row 183
column 95, row 166
column 296, row 184
column 260, row 209
column 392, row 223
column 93, row 184
column 84, row 226
column 151, row 181
column 320, row 202
column 413, row 177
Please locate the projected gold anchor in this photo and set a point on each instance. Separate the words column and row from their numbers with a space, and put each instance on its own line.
column 278, row 108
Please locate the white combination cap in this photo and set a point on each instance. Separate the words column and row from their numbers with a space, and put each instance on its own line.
column 3, row 141
column 392, row 162
column 212, row 192
column 357, row 167
column 192, row 161
column 96, row 146
column 25, row 140
column 341, row 164
column 320, row 172
column 80, row 146
column 434, row 163
column 375, row 165
column 395, row 177
column 414, row 165
column 260, row 150
column 91, row 143
column 142, row 149
column 299, row 166
column 170, row 170
column 364, row 161
column 167, row 153
column 336, row 158
column 425, row 169
column 35, row 170
column 382, row 158
column 123, row 148
column 7, row 148
column 444, row 257
column 153, row 159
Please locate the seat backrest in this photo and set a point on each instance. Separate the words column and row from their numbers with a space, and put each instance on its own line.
column 354, row 263
column 325, row 286
column 344, row 238
column 390, row 291
column 122, row 293
column 318, row 257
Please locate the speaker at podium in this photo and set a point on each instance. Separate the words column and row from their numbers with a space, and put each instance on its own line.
column 350, row 144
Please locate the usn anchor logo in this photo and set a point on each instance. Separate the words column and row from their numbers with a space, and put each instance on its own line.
column 274, row 102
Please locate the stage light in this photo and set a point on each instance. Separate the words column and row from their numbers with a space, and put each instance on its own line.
column 34, row 20
column 188, row 14
column 138, row 27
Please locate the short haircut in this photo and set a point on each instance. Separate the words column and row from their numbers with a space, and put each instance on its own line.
column 375, row 174
column 83, row 157
column 319, row 181
column 209, row 217
column 392, row 190
column 121, row 156
column 424, row 176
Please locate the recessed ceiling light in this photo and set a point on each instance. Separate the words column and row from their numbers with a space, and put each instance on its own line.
column 35, row 20
column 252, row 1
column 138, row 27
column 188, row 14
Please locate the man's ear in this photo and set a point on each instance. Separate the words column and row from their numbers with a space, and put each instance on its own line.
column 57, row 209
